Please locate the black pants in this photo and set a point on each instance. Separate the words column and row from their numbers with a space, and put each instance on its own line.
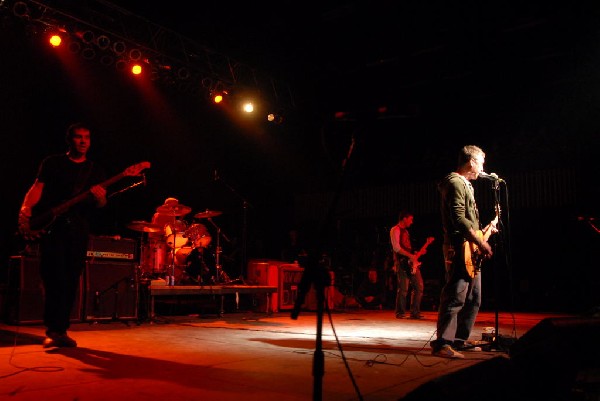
column 62, row 260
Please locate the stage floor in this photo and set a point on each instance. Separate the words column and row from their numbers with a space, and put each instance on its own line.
column 250, row 355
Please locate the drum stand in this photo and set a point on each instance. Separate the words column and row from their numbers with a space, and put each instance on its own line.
column 222, row 276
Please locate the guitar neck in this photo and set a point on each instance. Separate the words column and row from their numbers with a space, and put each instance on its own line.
column 79, row 198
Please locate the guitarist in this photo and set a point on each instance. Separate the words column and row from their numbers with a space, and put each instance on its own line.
column 461, row 295
column 405, row 267
column 63, row 240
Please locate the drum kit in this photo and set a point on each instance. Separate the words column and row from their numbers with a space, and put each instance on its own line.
column 164, row 248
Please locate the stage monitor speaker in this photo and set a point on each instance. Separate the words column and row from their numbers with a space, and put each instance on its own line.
column 25, row 293
column 558, row 350
column 111, row 291
column 491, row 380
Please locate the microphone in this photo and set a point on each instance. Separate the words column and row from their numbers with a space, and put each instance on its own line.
column 215, row 175
column 491, row 176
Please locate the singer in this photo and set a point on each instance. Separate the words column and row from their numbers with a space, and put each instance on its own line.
column 461, row 295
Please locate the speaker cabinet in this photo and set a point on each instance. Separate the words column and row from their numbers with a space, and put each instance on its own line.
column 286, row 277
column 111, row 290
column 25, row 293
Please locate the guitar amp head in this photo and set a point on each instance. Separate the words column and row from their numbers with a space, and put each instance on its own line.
column 112, row 248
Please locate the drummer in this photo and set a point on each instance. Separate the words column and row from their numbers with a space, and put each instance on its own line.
column 170, row 222
column 201, row 266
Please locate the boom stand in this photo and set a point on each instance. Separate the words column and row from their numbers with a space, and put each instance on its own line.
column 315, row 273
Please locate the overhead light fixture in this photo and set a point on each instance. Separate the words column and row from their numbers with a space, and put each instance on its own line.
column 119, row 48
column 103, row 42
column 135, row 54
column 87, row 37
column 20, row 9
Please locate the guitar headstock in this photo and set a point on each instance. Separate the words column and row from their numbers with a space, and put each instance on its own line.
column 136, row 169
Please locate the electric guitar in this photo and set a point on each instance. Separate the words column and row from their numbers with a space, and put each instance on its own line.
column 39, row 223
column 473, row 256
column 414, row 262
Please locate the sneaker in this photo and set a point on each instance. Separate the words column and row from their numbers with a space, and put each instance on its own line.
column 470, row 346
column 446, row 351
column 400, row 316
column 416, row 316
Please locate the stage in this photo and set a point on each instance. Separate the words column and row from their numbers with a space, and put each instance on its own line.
column 253, row 355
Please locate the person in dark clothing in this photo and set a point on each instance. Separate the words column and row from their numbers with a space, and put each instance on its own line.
column 371, row 291
column 200, row 263
column 62, row 235
column 461, row 295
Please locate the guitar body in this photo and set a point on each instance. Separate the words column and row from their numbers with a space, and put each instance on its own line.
column 410, row 266
column 472, row 255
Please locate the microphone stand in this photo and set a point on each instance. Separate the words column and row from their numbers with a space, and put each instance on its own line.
column 495, row 344
column 245, row 205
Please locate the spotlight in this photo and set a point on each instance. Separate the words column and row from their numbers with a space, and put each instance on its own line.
column 87, row 37
column 135, row 54
column 183, row 73
column 103, row 42
column 119, row 48
column 55, row 40
column 88, row 53
column 274, row 118
column 136, row 69
column 20, row 9
column 218, row 96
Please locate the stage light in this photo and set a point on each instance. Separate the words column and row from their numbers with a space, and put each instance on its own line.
column 183, row 73
column 135, row 54
column 248, row 107
column 55, row 40
column 88, row 53
column 119, row 48
column 87, row 37
column 103, row 42
column 274, row 118
column 20, row 9
column 136, row 69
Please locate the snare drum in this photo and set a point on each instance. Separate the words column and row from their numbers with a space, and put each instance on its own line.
column 175, row 236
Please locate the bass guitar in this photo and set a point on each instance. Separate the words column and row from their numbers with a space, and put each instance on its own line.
column 414, row 262
column 473, row 256
column 39, row 223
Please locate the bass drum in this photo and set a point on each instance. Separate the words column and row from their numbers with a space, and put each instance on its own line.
column 175, row 236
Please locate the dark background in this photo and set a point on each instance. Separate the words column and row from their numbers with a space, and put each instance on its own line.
column 415, row 82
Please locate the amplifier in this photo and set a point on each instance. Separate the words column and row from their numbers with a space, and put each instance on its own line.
column 110, row 247
column 25, row 293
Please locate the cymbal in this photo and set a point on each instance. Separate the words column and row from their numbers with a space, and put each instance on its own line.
column 144, row 226
column 206, row 214
column 174, row 210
